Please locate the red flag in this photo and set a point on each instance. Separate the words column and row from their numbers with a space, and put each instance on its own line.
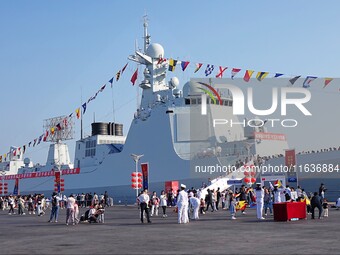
column 234, row 72
column 134, row 77
column 124, row 68
column 78, row 113
column 46, row 135
column 247, row 75
column 327, row 81
column 220, row 74
column 161, row 61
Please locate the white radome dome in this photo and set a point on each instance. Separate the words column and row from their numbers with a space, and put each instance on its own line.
column 191, row 89
column 155, row 50
column 27, row 161
column 174, row 82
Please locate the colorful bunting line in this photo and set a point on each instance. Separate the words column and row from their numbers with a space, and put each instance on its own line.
column 260, row 76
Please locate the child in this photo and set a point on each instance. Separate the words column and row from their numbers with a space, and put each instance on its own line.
column 325, row 207
column 202, row 206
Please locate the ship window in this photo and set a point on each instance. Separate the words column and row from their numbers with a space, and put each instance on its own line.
column 90, row 148
column 199, row 101
column 187, row 101
column 230, row 103
column 193, row 101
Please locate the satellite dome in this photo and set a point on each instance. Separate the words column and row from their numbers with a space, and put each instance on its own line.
column 27, row 161
column 191, row 89
column 174, row 82
column 155, row 50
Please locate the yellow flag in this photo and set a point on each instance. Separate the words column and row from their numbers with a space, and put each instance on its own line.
column 241, row 205
column 78, row 113
column 261, row 75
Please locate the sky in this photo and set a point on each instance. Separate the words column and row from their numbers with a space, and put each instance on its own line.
column 56, row 54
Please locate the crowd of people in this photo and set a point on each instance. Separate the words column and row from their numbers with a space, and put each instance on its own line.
column 190, row 203
column 38, row 204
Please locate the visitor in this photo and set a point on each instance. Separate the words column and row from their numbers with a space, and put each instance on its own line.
column 163, row 203
column 70, row 210
column 316, row 202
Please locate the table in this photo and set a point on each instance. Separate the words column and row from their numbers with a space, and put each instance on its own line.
column 289, row 210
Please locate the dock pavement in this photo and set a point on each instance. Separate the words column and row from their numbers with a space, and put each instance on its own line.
column 213, row 233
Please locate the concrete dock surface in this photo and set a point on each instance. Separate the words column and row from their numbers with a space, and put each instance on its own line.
column 213, row 233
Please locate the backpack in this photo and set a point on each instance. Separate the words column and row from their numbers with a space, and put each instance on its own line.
column 54, row 201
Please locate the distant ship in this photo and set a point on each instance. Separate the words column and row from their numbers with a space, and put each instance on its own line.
column 171, row 133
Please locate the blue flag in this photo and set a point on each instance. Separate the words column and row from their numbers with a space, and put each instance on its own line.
column 209, row 69
column 84, row 108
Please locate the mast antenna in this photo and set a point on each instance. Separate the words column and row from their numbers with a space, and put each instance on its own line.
column 146, row 35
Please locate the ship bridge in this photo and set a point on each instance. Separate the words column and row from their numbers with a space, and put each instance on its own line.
column 193, row 91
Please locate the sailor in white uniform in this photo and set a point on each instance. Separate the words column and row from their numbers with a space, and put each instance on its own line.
column 182, row 204
column 338, row 204
column 259, row 191
column 277, row 194
column 195, row 203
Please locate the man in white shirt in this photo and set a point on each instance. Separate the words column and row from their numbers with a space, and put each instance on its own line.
column 182, row 204
column 144, row 205
column 70, row 209
column 92, row 214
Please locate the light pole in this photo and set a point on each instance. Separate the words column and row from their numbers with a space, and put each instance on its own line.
column 3, row 173
column 136, row 158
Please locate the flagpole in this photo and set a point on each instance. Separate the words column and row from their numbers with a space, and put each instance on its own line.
column 113, row 105
column 81, row 113
column 137, row 102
